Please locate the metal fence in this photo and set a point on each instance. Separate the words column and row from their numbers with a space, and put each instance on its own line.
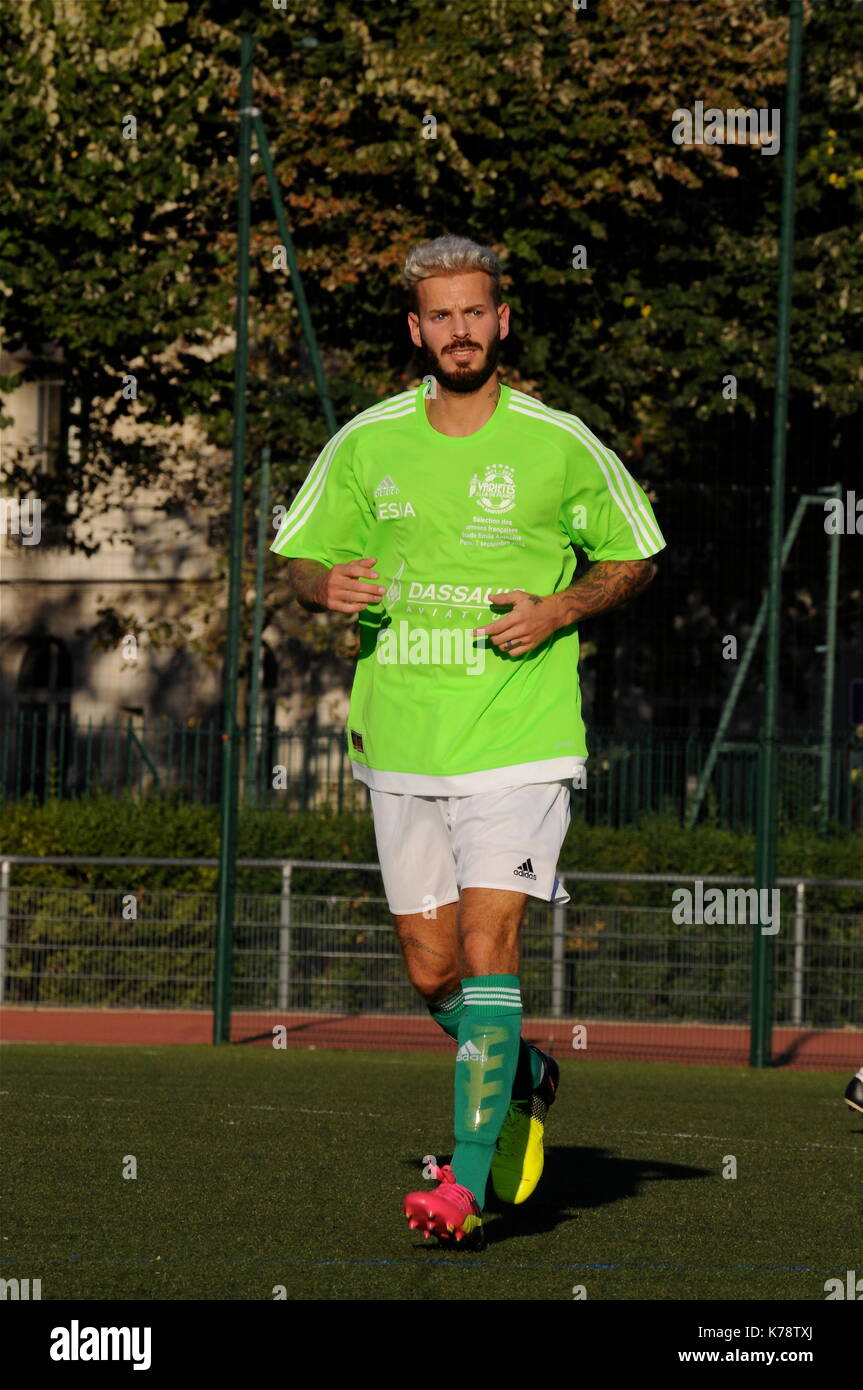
column 325, row 953
column 309, row 769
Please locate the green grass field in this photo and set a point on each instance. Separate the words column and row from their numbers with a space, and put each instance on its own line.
column 258, row 1168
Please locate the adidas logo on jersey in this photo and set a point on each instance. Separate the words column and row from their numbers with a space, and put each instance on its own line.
column 468, row 1052
column 386, row 488
column 525, row 870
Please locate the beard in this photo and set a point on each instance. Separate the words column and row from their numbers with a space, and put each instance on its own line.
column 452, row 377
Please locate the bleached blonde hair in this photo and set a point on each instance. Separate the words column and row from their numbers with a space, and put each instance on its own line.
column 447, row 255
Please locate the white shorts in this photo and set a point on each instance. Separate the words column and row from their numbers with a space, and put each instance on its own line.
column 430, row 847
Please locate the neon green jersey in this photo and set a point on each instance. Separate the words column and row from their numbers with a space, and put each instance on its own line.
column 435, row 711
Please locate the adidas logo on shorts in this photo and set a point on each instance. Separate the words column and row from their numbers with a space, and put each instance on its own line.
column 525, row 870
column 468, row 1052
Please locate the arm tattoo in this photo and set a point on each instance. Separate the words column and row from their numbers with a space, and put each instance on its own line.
column 607, row 585
column 420, row 946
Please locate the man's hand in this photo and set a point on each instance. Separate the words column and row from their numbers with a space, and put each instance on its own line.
column 337, row 589
column 533, row 619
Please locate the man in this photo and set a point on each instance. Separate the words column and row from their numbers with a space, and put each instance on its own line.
column 446, row 519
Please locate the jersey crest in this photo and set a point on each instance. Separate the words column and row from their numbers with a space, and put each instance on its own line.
column 496, row 492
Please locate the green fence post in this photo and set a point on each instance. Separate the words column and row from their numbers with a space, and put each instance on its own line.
column 49, row 746
column 211, row 734
column 765, row 855
column 34, row 748
column 61, row 757
column 296, row 279
column 307, row 758
column 128, row 771
column 75, row 741
column 252, row 744
column 230, row 733
column 829, row 650
column 19, row 754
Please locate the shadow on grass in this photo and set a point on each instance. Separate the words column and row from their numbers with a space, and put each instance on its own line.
column 574, row 1179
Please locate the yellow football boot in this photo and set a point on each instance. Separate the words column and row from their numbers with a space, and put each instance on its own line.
column 518, row 1157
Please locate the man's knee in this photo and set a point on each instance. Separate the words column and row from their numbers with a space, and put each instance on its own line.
column 485, row 954
column 430, row 954
column 489, row 925
column 431, row 981
column 432, row 991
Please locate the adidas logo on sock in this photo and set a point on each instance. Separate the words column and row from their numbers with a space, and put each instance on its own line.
column 468, row 1052
column 525, row 870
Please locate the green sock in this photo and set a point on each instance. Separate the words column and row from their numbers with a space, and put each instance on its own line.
column 447, row 1012
column 530, row 1067
column 488, row 1038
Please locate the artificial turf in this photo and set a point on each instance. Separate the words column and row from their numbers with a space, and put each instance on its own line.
column 259, row 1168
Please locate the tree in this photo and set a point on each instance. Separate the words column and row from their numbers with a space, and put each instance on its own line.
column 552, row 130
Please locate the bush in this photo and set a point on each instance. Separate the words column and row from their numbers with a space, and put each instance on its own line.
column 70, row 941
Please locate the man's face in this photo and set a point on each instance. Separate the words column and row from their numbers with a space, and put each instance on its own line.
column 457, row 332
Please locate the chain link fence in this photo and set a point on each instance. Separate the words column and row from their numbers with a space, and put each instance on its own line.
column 335, row 954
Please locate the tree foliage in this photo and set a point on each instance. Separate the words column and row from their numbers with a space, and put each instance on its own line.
column 552, row 130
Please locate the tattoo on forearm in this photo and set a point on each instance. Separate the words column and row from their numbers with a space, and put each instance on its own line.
column 607, row 585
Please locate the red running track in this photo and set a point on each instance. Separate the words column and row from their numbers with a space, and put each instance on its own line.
column 642, row 1042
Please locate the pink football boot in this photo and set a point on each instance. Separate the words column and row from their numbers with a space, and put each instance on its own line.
column 448, row 1211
